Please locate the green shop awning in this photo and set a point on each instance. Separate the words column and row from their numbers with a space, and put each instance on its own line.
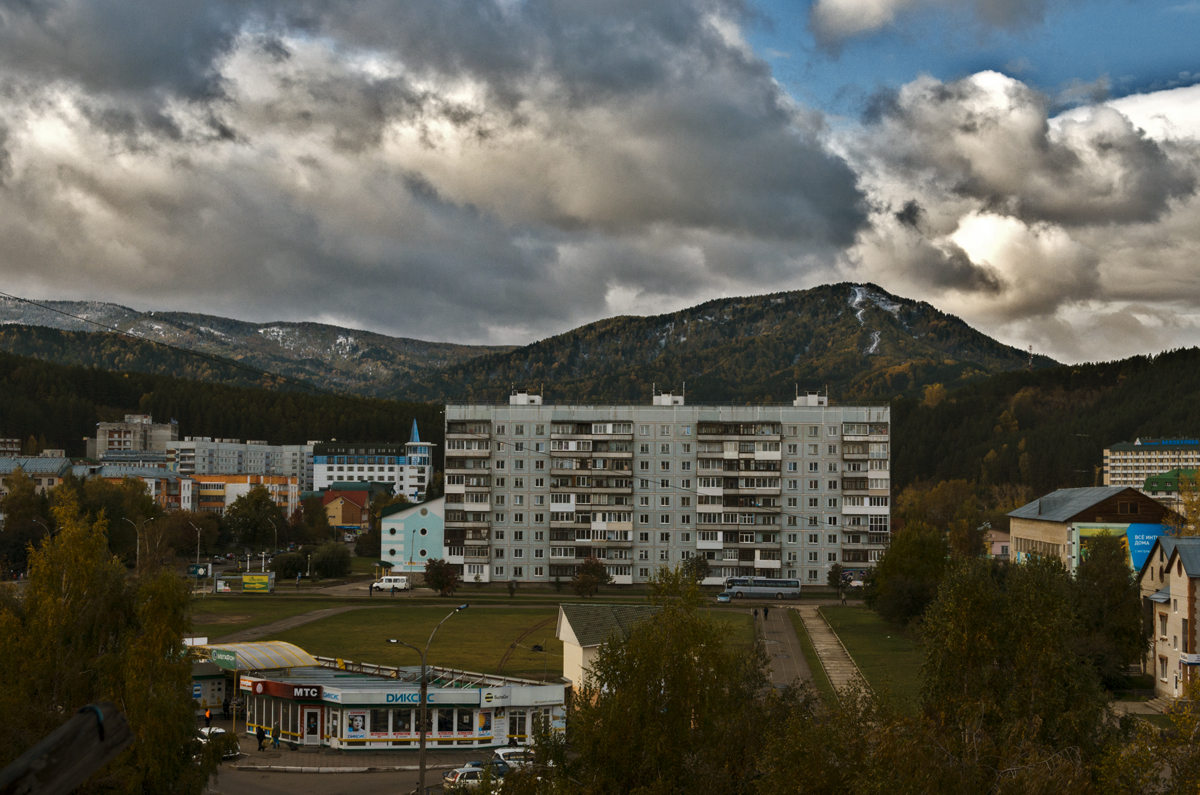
column 387, row 564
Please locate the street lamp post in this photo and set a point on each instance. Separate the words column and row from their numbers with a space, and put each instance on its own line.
column 424, row 690
column 137, row 534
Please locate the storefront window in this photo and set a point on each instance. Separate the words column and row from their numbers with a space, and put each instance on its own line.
column 402, row 721
column 445, row 725
column 379, row 721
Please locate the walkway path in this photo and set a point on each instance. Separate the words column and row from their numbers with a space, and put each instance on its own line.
column 837, row 663
column 783, row 647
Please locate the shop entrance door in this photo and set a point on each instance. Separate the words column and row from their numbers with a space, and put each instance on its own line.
column 516, row 725
column 312, row 727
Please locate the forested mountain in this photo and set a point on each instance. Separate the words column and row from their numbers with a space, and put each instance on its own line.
column 1048, row 428
column 329, row 356
column 858, row 339
column 59, row 405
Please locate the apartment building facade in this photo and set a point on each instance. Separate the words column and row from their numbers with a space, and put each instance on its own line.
column 407, row 467
column 1130, row 463
column 215, row 493
column 137, row 432
column 780, row 491
column 204, row 455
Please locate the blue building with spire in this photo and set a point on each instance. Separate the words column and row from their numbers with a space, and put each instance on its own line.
column 407, row 467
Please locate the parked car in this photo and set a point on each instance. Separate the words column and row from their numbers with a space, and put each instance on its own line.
column 391, row 581
column 498, row 767
column 723, row 598
column 465, row 778
column 228, row 743
column 513, row 757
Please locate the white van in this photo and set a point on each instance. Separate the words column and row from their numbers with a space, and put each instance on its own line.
column 391, row 581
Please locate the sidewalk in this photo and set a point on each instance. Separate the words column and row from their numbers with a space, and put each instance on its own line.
column 837, row 663
column 312, row 759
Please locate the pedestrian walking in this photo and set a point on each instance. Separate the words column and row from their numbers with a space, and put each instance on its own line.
column 393, row 591
column 208, row 717
column 260, row 735
column 765, row 611
column 297, row 581
column 225, row 708
column 756, row 614
column 275, row 735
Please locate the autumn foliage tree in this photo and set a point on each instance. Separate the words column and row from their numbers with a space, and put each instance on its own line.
column 84, row 631
column 441, row 576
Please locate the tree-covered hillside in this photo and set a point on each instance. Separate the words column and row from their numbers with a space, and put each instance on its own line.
column 60, row 405
column 1047, row 428
column 859, row 340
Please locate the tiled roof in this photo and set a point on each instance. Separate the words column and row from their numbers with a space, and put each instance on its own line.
column 1188, row 550
column 397, row 507
column 1065, row 503
column 595, row 624
column 35, row 466
column 359, row 498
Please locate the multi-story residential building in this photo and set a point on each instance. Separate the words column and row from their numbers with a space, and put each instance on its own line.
column 407, row 467
column 773, row 491
column 215, row 493
column 1166, row 487
column 10, row 448
column 137, row 432
column 172, row 491
column 1170, row 584
column 203, row 455
column 1130, row 463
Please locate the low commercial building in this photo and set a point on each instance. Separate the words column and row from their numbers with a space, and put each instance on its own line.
column 46, row 473
column 319, row 701
column 347, row 511
column 1060, row 524
column 1170, row 582
column 171, row 491
column 410, row 535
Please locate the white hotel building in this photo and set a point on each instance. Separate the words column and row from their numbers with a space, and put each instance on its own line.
column 771, row 491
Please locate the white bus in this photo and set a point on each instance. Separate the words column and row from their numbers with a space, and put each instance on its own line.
column 762, row 587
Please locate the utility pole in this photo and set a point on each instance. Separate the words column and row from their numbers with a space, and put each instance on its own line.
column 264, row 560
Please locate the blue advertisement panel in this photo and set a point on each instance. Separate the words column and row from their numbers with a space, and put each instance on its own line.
column 1141, row 538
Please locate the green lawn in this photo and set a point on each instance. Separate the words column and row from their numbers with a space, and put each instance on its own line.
column 215, row 616
column 820, row 678
column 1158, row 721
column 473, row 640
column 741, row 626
column 887, row 656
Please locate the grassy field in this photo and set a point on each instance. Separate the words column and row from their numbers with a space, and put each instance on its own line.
column 214, row 616
column 820, row 678
column 474, row 640
column 741, row 626
column 888, row 658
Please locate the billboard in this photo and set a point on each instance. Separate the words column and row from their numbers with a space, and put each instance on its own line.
column 258, row 583
column 1136, row 538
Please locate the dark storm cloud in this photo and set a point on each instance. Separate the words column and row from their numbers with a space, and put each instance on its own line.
column 500, row 169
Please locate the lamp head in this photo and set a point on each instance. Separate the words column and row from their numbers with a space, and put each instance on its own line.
column 392, row 640
column 461, row 607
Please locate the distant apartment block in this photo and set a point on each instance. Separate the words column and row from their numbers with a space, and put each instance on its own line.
column 203, row 455
column 137, row 432
column 1130, row 463
column 215, row 493
column 45, row 472
column 782, row 491
column 10, row 448
column 407, row 468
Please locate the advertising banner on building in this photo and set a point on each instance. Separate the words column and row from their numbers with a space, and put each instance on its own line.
column 1136, row 539
column 223, row 658
column 356, row 724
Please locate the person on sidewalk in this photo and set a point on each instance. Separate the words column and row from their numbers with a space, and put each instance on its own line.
column 297, row 581
column 207, row 717
column 756, row 614
column 275, row 736
column 765, row 611
column 260, row 735
column 225, row 708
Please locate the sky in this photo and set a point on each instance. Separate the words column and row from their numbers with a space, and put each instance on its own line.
column 498, row 171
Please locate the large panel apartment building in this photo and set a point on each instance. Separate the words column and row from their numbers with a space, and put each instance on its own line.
column 1130, row 463
column 771, row 491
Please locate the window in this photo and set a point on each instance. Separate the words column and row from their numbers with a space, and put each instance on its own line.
column 664, row 518
column 539, row 430
column 685, row 518
column 644, row 466
column 500, row 430
column 831, row 538
column 791, row 466
column 498, row 571
column 812, row 557
column 686, row 466
column 665, row 448
column 687, row 431
column 664, row 538
column 833, row 502
column 686, row 483
column 644, row 537
column 814, row 502
column 539, row 535
column 643, row 518
column 644, row 448
column 832, row 485
column 519, row 430
column 664, row 502
column 665, row 483
column 664, row 430
column 792, row 538
column 538, row 571
column 643, row 554
column 518, row 553
column 499, row 553
column 518, row 499
column 643, row 430
column 831, row 521
column 664, row 554
column 833, row 556
column 518, row 571
column 539, row 483
column 664, row 466
column 518, row 517
column 793, row 485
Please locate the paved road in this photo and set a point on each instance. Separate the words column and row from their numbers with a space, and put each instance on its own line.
column 837, row 663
